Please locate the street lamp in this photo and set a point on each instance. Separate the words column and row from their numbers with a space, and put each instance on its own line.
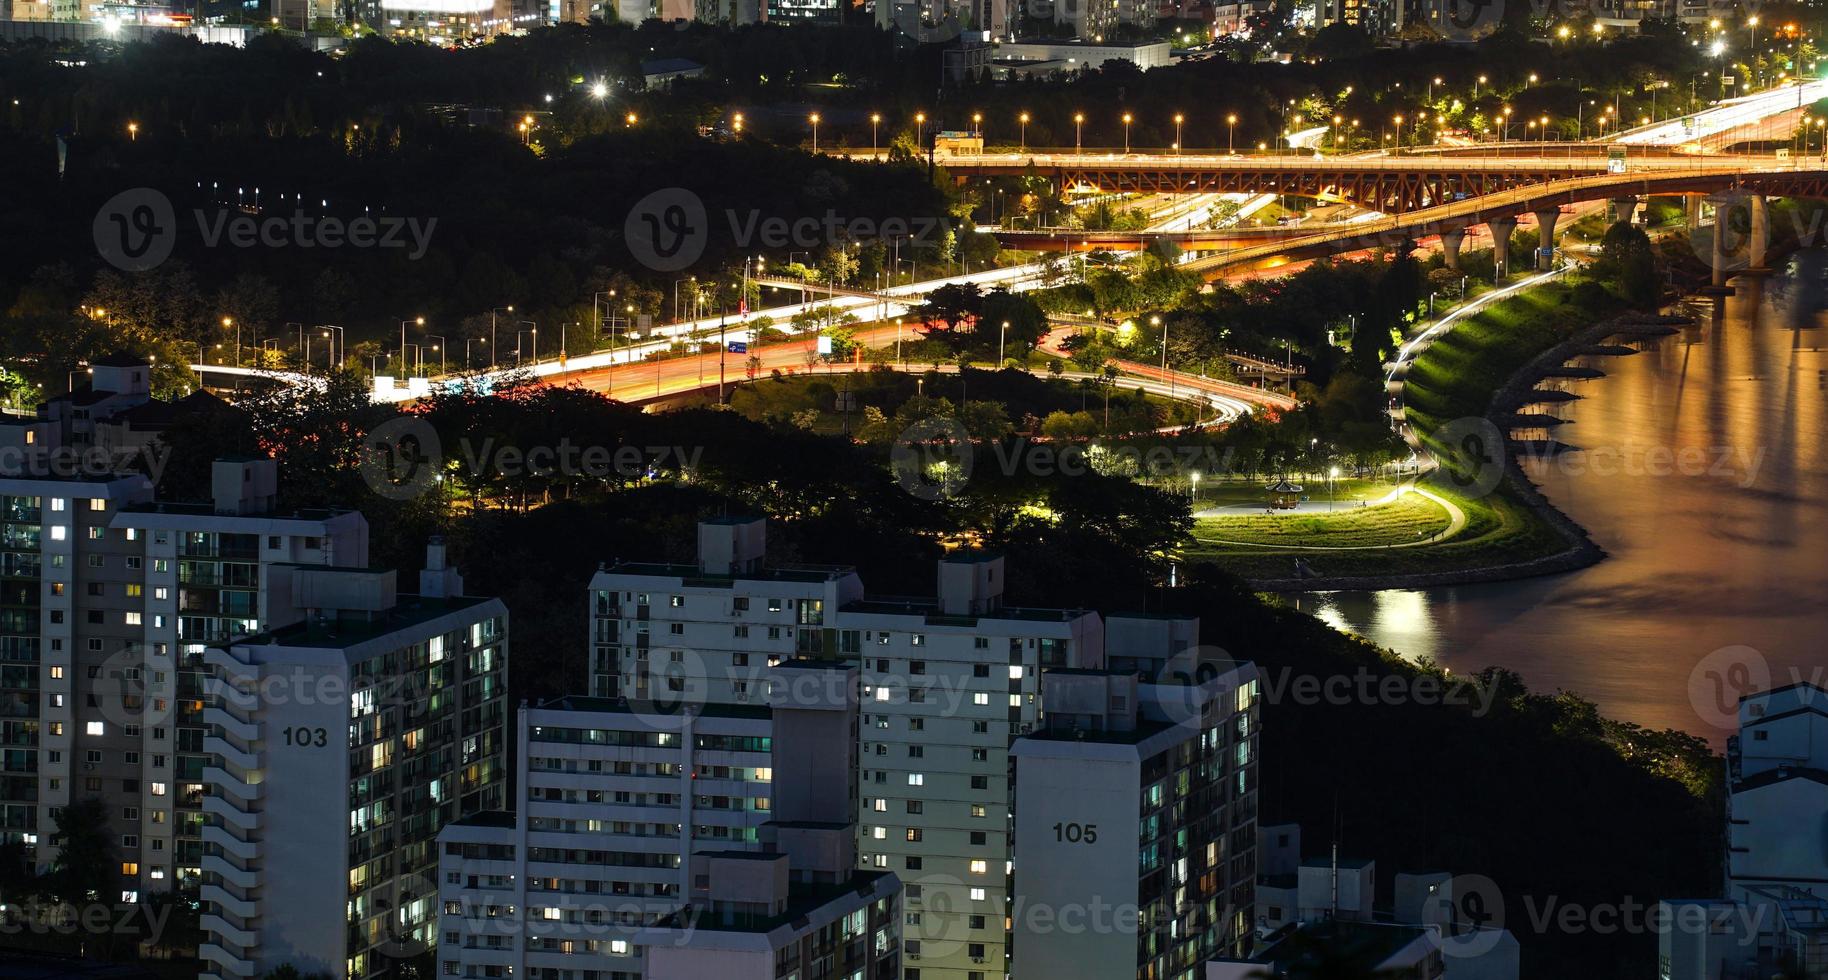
column 492, row 312
column 815, row 132
column 1476, row 83
column 419, row 321
column 439, row 347
column 630, row 120
column 977, row 124
column 1078, row 132
column 736, row 123
column 228, row 322
column 1023, row 118
column 1178, row 119
column 1231, row 128
column 1126, row 133
column 133, row 132
column 875, row 120
column 1002, row 337
column 1399, row 134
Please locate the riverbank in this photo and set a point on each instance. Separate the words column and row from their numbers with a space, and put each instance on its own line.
column 1483, row 369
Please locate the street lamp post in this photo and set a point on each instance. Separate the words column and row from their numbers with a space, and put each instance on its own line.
column 1078, row 132
column 439, row 347
column 1178, row 118
column 340, row 348
column 419, row 320
column 1126, row 133
column 492, row 313
column 1231, row 129
column 1002, row 338
column 815, row 132
column 1023, row 118
column 1399, row 135
column 875, row 120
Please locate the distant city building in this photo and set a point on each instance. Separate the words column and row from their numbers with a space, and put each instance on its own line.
column 1176, row 760
column 1076, row 56
column 662, row 72
column 677, row 841
column 340, row 744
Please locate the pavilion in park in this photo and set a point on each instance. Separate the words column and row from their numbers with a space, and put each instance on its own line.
column 1284, row 495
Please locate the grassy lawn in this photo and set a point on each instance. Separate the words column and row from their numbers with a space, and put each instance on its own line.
column 1402, row 521
column 1345, row 490
column 1454, row 378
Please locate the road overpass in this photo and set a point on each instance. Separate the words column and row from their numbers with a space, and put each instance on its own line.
column 1390, row 184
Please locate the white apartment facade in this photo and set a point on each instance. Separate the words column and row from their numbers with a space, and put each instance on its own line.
column 713, row 840
column 947, row 684
column 1179, row 761
column 341, row 743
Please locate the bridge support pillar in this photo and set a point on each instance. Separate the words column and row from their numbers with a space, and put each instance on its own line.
column 1625, row 209
column 1691, row 207
column 1501, row 229
column 1545, row 236
column 1450, row 248
column 1719, row 255
column 1761, row 234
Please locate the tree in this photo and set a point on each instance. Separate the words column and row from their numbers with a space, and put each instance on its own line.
column 948, row 310
column 87, row 867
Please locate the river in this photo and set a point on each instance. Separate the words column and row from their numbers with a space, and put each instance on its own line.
column 1702, row 474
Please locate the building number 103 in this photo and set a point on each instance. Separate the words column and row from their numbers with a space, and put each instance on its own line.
column 1076, row 833
column 307, row 737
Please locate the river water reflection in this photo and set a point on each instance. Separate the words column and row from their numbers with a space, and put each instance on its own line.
column 1703, row 476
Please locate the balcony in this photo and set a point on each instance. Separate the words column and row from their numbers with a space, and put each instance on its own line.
column 221, row 897
column 223, row 963
column 233, row 785
column 245, row 732
column 217, row 927
column 222, row 809
column 246, row 851
column 219, row 867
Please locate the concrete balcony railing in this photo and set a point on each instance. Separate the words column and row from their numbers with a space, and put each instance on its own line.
column 224, row 963
column 235, row 759
column 241, row 878
column 232, row 784
column 243, row 850
column 223, row 931
column 241, row 730
column 225, row 810
column 221, row 897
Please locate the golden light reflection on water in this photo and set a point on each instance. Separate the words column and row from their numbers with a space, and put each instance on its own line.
column 1703, row 474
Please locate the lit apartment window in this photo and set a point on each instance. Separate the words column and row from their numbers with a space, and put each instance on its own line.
column 97, row 503
column 57, row 504
column 57, row 673
column 914, row 778
column 57, row 532
column 158, row 789
column 130, row 867
column 980, row 867
column 95, row 728
column 977, row 894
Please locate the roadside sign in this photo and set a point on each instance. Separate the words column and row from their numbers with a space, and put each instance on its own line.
column 739, row 347
column 824, row 344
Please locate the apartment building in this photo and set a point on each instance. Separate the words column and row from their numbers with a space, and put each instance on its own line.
column 107, row 600
column 1178, row 761
column 340, row 744
column 711, row 840
column 1774, row 916
column 948, row 682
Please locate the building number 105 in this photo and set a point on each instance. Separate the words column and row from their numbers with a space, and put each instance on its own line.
column 1076, row 833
